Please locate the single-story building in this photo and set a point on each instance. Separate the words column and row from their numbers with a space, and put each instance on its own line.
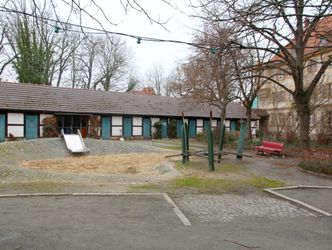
column 23, row 108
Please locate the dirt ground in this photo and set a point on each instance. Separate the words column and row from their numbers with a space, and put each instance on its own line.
column 131, row 164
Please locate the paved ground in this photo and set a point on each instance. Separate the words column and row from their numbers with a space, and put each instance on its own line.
column 320, row 198
column 146, row 222
column 229, row 221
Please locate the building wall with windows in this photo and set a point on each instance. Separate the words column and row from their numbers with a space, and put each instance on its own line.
column 280, row 104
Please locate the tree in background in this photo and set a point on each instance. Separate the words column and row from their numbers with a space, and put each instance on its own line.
column 287, row 35
column 156, row 78
column 208, row 74
column 33, row 49
column 6, row 58
column 249, row 73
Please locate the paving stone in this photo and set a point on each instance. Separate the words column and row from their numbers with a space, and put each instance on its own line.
column 224, row 208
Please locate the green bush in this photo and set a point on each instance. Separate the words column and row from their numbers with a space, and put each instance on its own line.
column 231, row 137
column 50, row 128
column 201, row 137
column 172, row 129
column 157, row 126
column 318, row 166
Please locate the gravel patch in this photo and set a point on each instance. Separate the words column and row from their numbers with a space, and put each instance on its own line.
column 12, row 153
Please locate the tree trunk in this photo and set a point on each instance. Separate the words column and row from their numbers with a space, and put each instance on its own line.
column 248, row 113
column 303, row 113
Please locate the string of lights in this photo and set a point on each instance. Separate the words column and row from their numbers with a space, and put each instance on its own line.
column 139, row 39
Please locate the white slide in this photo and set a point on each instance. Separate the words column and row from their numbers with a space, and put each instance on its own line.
column 75, row 143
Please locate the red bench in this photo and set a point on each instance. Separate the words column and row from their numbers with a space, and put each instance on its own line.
column 270, row 147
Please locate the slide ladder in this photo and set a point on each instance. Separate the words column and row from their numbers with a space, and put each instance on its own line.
column 75, row 143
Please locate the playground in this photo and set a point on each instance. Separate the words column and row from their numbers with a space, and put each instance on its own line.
column 131, row 194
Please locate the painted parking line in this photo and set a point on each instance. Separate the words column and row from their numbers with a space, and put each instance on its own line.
column 168, row 199
column 274, row 191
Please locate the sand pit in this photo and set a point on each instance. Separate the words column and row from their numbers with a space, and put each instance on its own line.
column 131, row 164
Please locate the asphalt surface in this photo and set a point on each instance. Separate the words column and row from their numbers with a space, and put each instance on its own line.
column 320, row 198
column 145, row 222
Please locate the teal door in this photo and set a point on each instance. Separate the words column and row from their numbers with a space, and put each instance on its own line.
column 233, row 126
column 105, row 127
column 147, row 128
column 164, row 128
column 31, row 127
column 192, row 128
column 2, row 127
column 206, row 125
column 179, row 128
column 127, row 127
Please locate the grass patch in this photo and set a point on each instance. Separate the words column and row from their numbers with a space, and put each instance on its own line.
column 203, row 183
column 143, row 186
column 317, row 166
column 211, row 184
column 263, row 182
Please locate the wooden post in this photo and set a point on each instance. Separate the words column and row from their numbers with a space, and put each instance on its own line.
column 240, row 144
column 221, row 139
column 210, row 145
column 185, row 142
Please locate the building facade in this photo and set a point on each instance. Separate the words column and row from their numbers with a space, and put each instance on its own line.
column 108, row 115
column 280, row 104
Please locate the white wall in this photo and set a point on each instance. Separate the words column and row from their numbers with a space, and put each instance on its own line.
column 199, row 126
column 117, row 120
column 18, row 129
column 137, row 121
column 15, row 118
column 199, row 130
column 137, row 126
column 137, row 131
column 116, row 131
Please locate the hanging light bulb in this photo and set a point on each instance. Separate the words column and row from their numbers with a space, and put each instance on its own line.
column 56, row 29
column 139, row 40
column 213, row 50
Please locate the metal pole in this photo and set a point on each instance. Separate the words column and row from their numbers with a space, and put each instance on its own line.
column 240, row 144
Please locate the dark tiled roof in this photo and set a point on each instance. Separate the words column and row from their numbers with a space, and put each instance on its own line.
column 28, row 97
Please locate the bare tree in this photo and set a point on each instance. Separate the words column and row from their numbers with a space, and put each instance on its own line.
column 283, row 25
column 66, row 44
column 249, row 74
column 111, row 63
column 209, row 73
column 175, row 82
column 6, row 58
column 156, row 78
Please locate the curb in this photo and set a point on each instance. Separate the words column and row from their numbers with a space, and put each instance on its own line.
column 325, row 176
column 298, row 202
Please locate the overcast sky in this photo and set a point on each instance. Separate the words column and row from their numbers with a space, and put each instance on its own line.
column 147, row 54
